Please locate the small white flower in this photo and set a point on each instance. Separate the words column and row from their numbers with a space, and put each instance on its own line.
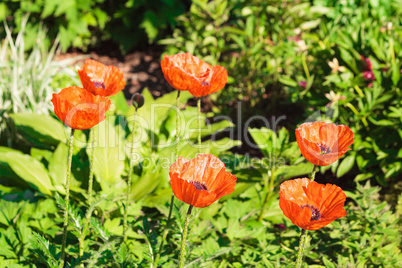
column 334, row 64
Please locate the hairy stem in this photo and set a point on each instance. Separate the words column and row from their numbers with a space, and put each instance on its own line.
column 182, row 259
column 177, row 125
column 90, row 186
column 130, row 172
column 313, row 172
column 302, row 244
column 199, row 124
column 67, row 199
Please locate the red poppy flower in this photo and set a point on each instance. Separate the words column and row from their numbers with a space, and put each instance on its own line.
column 100, row 79
column 78, row 108
column 311, row 205
column 200, row 181
column 323, row 143
column 187, row 72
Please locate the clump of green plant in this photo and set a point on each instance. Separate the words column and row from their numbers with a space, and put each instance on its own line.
column 42, row 171
column 339, row 60
column 369, row 236
column 27, row 80
column 83, row 24
column 228, row 234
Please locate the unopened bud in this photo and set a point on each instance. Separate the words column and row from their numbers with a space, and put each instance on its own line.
column 137, row 100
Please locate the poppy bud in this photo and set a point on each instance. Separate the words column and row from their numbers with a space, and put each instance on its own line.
column 137, row 100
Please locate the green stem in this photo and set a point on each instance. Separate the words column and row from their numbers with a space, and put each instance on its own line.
column 130, row 172
column 199, row 124
column 177, row 124
column 184, row 238
column 90, row 186
column 166, row 231
column 300, row 252
column 268, row 195
column 313, row 172
column 67, row 199
column 91, row 167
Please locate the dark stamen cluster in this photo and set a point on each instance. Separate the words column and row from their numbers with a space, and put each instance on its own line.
column 316, row 213
column 324, row 149
column 99, row 84
column 199, row 185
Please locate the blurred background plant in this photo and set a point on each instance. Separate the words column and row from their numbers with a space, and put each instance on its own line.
column 83, row 24
column 27, row 80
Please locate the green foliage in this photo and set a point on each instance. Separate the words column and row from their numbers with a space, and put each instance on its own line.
column 259, row 44
column 228, row 235
column 303, row 59
column 154, row 141
column 368, row 237
column 83, row 24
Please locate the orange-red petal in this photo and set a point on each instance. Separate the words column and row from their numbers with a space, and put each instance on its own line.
column 323, row 143
column 78, row 108
column 100, row 79
column 187, row 72
column 205, row 170
column 329, row 199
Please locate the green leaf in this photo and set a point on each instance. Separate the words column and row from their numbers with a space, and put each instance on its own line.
column 108, row 156
column 58, row 167
column 396, row 73
column 346, row 165
column 44, row 247
column 29, row 169
column 145, row 185
column 9, row 211
column 3, row 11
column 296, row 170
column 58, row 170
column 288, row 81
column 148, row 24
column 113, row 226
column 48, row 9
column 154, row 112
column 349, row 59
column 41, row 130
column 363, row 176
column 120, row 103
column 5, row 249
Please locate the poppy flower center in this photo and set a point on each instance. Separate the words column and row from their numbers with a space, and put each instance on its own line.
column 324, row 149
column 199, row 185
column 99, row 84
column 315, row 212
column 204, row 83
